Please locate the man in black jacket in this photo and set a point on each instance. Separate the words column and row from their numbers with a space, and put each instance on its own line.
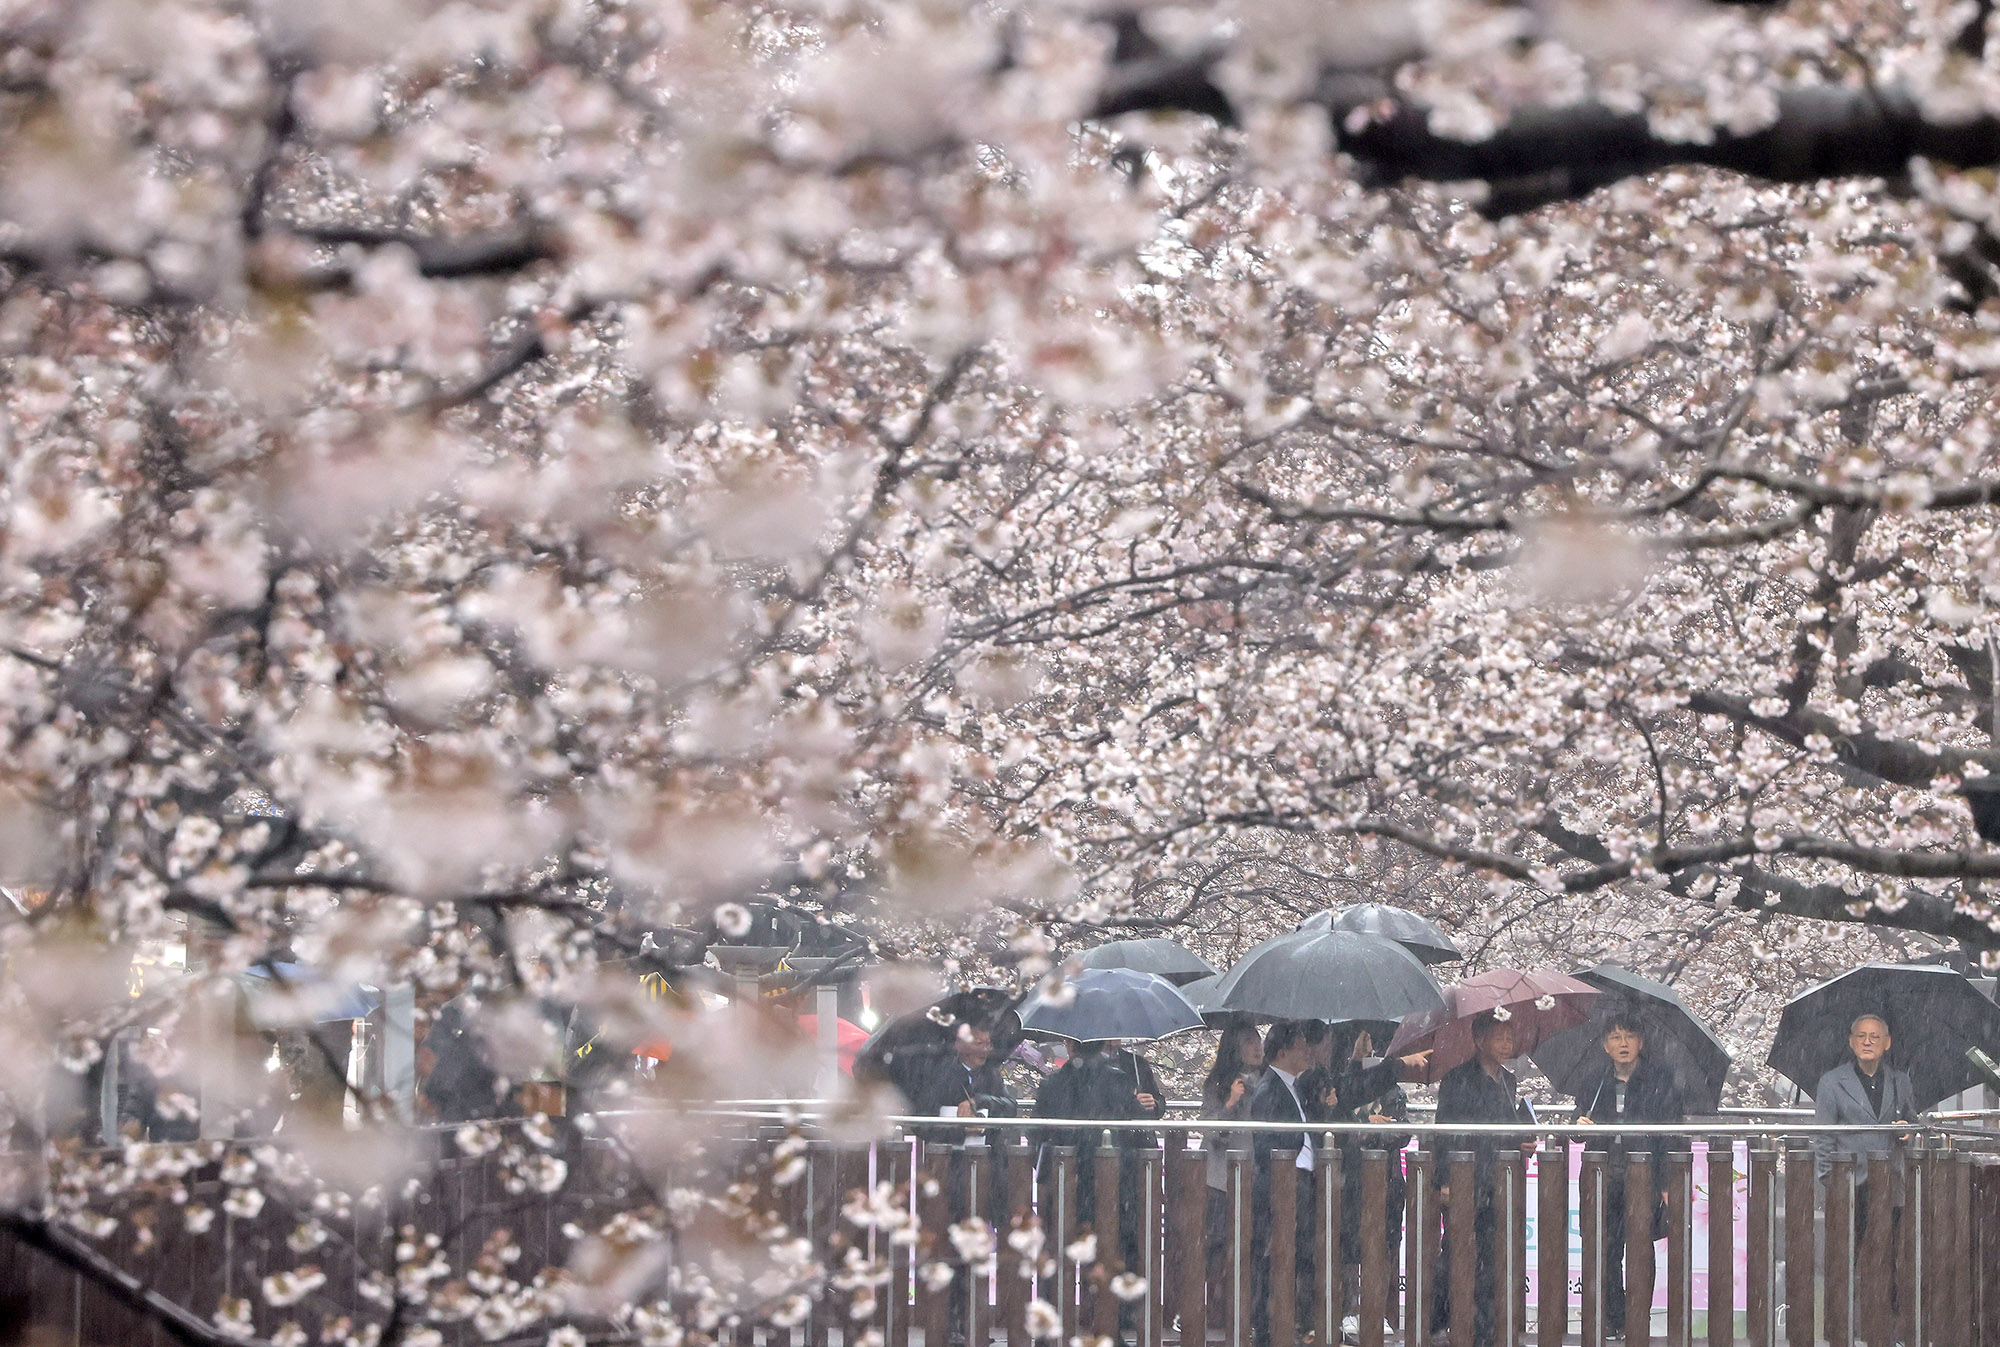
column 1482, row 1090
column 1631, row 1088
column 1292, row 1048
column 965, row 1083
column 1103, row 1081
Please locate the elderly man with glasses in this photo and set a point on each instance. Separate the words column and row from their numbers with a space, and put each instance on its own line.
column 1865, row 1091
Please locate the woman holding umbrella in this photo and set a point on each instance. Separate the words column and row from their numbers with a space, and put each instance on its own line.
column 1225, row 1096
column 1352, row 1090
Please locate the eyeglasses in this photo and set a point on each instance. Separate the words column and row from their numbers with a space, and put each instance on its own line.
column 1870, row 1038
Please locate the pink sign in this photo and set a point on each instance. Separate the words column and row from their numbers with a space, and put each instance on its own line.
column 1738, row 1199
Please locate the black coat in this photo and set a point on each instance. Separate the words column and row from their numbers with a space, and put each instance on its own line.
column 944, row 1082
column 1096, row 1086
column 1273, row 1101
column 1650, row 1097
column 1468, row 1095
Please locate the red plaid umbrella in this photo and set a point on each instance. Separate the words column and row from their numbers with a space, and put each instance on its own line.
column 1539, row 1004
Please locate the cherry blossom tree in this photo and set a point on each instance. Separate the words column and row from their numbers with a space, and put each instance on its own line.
column 491, row 486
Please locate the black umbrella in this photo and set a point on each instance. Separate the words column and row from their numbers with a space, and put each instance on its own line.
column 1674, row 1038
column 902, row 1050
column 1422, row 938
column 1098, row 1004
column 1327, row 975
column 1154, row 954
column 1933, row 1014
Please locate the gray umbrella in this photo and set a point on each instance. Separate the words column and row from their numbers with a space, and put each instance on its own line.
column 1327, row 975
column 1422, row 938
column 1154, row 954
column 1105, row 1003
column 1201, row 995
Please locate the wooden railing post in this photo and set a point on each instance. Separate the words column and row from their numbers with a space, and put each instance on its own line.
column 1329, row 1301
column 1552, row 1243
column 1721, row 1242
column 1924, row 1206
column 1590, row 1221
column 1982, row 1250
column 1152, row 1243
column 1963, row 1288
column 1639, row 1271
column 1877, row 1275
column 1242, row 1234
column 979, row 1205
column 936, row 1256
column 1109, row 1226
column 1680, row 1243
column 1281, row 1270
column 1017, row 1270
column 1760, row 1247
column 901, row 1179
column 1510, row 1244
column 1837, row 1272
column 1801, row 1201
column 824, row 1178
column 1463, row 1258
column 1063, row 1232
column 1908, row 1318
column 1187, row 1240
column 1374, row 1225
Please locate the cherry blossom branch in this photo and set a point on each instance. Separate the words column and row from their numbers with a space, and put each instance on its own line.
column 1546, row 155
column 1895, row 761
column 498, row 252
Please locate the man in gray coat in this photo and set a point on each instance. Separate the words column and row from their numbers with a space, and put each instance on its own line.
column 1861, row 1092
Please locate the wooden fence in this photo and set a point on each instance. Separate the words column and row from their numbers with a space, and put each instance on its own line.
column 1784, row 1259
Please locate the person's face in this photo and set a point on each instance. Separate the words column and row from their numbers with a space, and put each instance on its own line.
column 1869, row 1042
column 1497, row 1044
column 1623, row 1046
column 1253, row 1049
column 974, row 1047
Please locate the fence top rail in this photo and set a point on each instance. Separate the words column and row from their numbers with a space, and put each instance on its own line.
column 794, row 1117
column 1195, row 1106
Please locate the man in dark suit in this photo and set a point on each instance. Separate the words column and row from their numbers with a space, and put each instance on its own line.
column 1482, row 1090
column 1866, row 1090
column 1104, row 1081
column 1630, row 1088
column 965, row 1083
column 1292, row 1048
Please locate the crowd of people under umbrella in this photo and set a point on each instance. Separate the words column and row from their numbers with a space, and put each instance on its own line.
column 1326, row 1025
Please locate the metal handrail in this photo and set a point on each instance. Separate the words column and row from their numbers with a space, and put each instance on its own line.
column 1534, row 1129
